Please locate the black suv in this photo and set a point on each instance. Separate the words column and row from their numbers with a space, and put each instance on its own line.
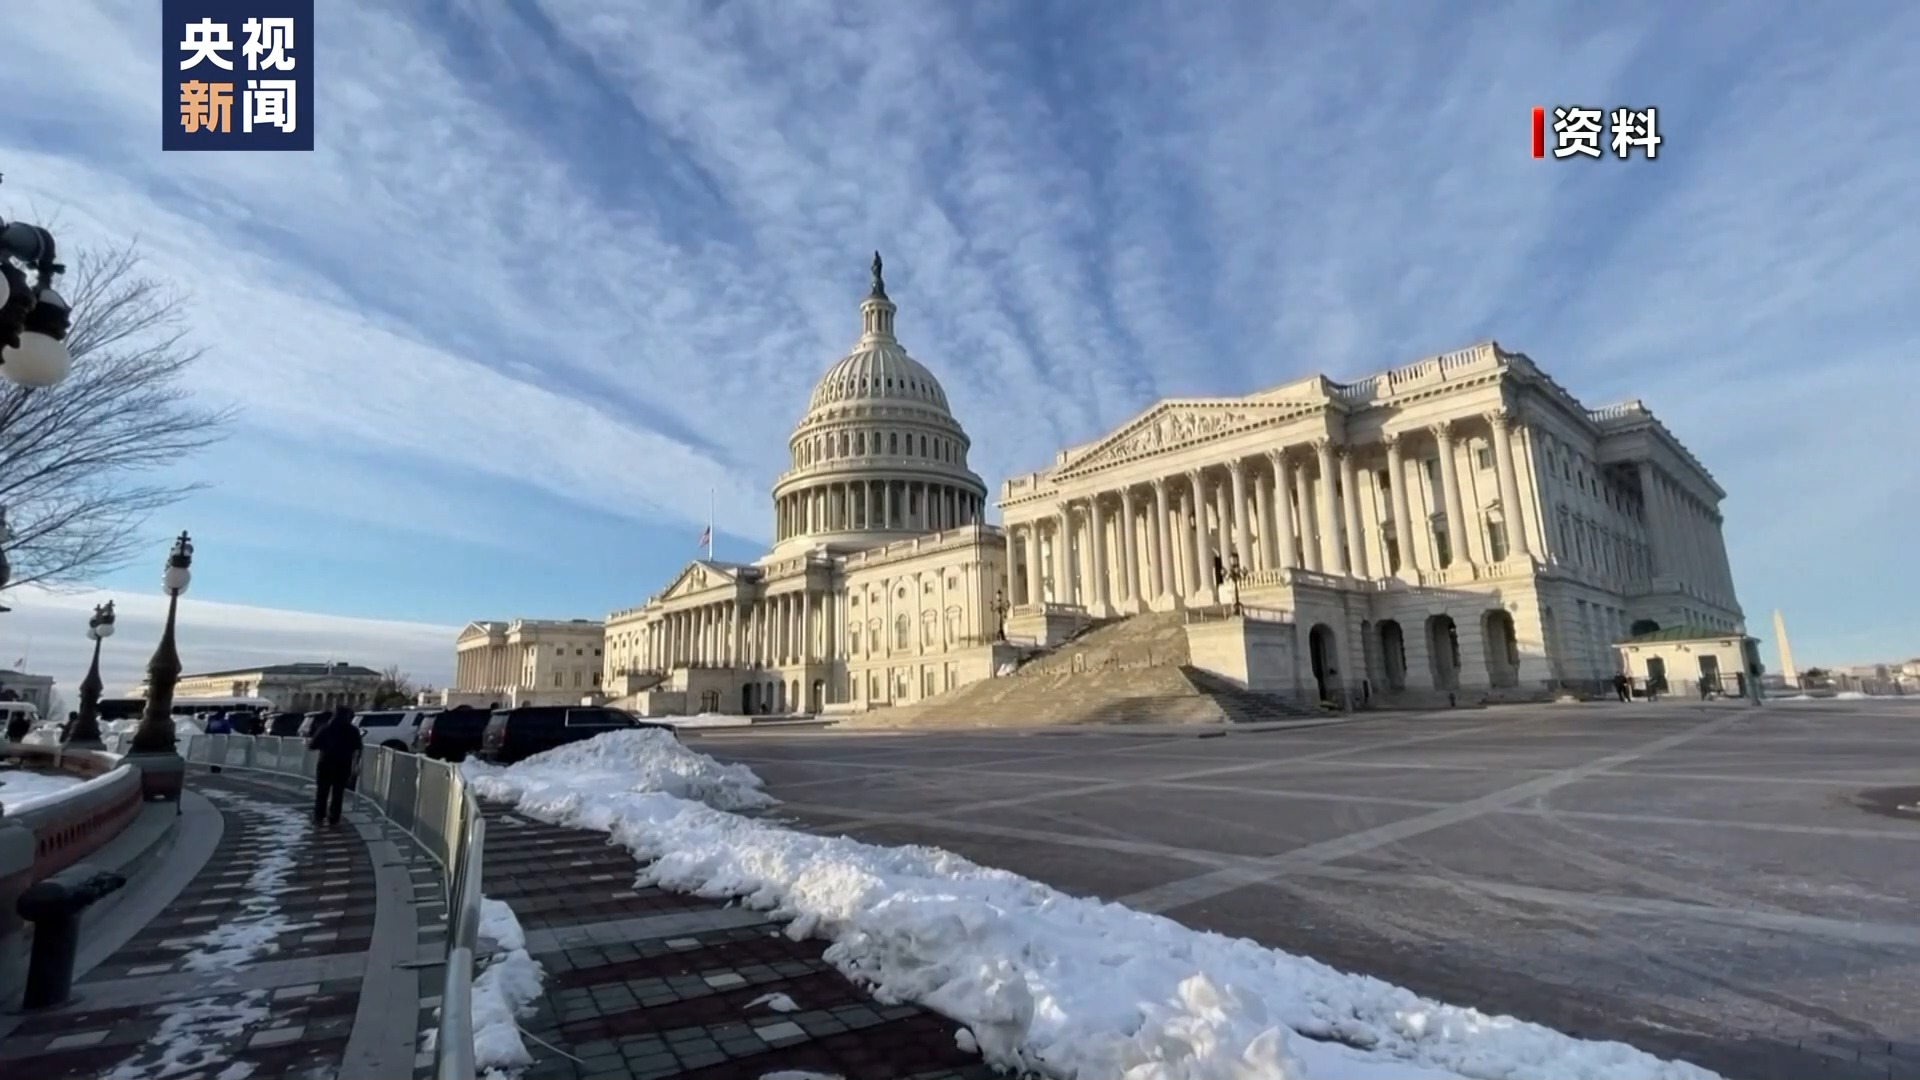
column 451, row 735
column 516, row 734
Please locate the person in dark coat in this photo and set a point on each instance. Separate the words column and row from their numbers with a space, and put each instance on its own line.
column 18, row 727
column 339, row 744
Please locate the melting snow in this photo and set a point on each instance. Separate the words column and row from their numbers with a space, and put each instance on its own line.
column 777, row 1002
column 19, row 787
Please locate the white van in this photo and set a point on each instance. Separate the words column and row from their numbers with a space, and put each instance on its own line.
column 391, row 728
column 11, row 709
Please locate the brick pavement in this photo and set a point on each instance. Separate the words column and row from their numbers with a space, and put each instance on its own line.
column 282, row 1006
column 644, row 983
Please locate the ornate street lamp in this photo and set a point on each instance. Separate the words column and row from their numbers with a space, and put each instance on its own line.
column 85, row 733
column 34, row 319
column 154, row 748
column 1236, row 574
column 999, row 616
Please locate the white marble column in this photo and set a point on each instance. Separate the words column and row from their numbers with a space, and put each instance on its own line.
column 1062, row 556
column 1013, row 566
column 1657, row 554
column 1302, row 518
column 1242, row 535
column 1031, row 530
column 1450, row 493
column 1157, row 537
column 1333, row 551
column 1263, row 547
column 1130, row 555
column 1102, row 598
column 1350, row 512
column 1285, row 535
column 1518, row 542
column 807, row 652
column 1202, row 541
column 1397, row 505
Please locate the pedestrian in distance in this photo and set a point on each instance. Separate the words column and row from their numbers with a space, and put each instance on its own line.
column 1623, row 687
column 339, row 744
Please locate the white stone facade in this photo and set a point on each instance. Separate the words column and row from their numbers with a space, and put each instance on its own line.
column 527, row 662
column 882, row 584
column 1457, row 524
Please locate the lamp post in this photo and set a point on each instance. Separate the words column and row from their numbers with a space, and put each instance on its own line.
column 34, row 319
column 6, row 568
column 154, row 748
column 999, row 616
column 1236, row 574
column 85, row 733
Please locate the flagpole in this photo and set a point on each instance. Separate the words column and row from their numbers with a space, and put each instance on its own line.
column 709, row 524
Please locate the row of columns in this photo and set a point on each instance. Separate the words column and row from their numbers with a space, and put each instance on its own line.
column 775, row 631
column 1686, row 536
column 855, row 505
column 1288, row 507
column 487, row 668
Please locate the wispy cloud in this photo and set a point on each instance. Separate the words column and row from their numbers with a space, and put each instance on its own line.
column 49, row 631
column 601, row 254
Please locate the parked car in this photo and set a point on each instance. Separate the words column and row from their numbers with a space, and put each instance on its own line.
column 515, row 734
column 312, row 724
column 286, row 723
column 452, row 734
column 391, row 728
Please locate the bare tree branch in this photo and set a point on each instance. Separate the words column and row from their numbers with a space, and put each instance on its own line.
column 395, row 689
column 76, row 459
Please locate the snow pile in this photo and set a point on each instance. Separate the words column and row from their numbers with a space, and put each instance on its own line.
column 643, row 761
column 1063, row 985
column 503, row 992
column 1851, row 695
column 706, row 720
column 18, row 787
column 256, row 930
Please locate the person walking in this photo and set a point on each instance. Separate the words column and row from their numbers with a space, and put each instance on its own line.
column 339, row 744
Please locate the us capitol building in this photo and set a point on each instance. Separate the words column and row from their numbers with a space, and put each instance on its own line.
column 1459, row 524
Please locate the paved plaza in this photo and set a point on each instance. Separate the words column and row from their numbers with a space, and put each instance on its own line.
column 1729, row 885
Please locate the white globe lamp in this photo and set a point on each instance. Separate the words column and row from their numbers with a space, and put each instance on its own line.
column 39, row 362
column 176, row 579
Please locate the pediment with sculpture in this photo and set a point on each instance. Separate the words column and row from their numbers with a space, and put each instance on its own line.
column 698, row 577
column 1175, row 425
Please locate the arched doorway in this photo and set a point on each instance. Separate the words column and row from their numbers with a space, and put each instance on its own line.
column 1393, row 653
column 780, row 697
column 1502, row 647
column 1443, row 651
column 793, row 697
column 1326, row 669
column 746, row 699
column 819, row 694
column 1643, row 626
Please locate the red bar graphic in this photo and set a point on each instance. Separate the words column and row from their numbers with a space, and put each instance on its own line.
column 1539, row 132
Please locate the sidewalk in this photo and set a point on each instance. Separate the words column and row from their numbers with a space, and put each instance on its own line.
column 262, row 966
column 646, row 983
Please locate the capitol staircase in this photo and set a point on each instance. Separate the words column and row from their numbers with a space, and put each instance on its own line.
column 1135, row 670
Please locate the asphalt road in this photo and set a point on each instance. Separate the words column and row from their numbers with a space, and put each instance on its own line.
column 1732, row 886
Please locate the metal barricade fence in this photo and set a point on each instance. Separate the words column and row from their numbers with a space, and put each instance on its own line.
column 430, row 802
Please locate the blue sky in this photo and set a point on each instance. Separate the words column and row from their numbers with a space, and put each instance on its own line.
column 559, row 267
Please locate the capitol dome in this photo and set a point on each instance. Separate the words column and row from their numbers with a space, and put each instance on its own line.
column 878, row 455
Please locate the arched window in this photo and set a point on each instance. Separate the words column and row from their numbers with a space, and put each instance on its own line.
column 893, row 443
column 843, row 444
column 923, row 446
column 860, row 443
column 901, row 628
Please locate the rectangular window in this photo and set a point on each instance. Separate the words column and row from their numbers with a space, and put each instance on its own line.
column 1442, row 550
column 558, row 679
column 1497, row 540
column 1484, row 456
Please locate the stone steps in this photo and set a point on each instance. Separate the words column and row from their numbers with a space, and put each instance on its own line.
column 1135, row 670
